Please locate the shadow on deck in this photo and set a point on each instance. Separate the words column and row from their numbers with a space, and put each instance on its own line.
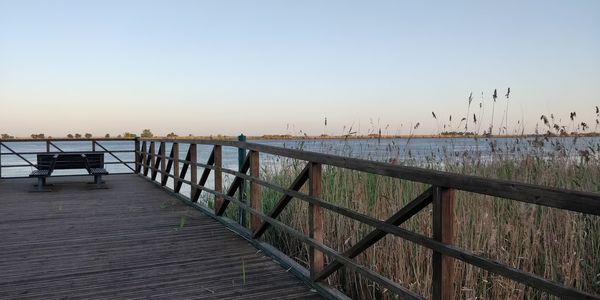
column 133, row 240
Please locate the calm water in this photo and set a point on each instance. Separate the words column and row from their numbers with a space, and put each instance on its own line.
column 391, row 150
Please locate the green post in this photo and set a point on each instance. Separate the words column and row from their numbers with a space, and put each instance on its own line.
column 242, row 191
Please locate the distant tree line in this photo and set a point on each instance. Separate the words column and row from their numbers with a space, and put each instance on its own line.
column 458, row 133
column 146, row 133
column 38, row 136
column 89, row 135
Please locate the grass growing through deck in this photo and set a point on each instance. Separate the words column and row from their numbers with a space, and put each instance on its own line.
column 559, row 245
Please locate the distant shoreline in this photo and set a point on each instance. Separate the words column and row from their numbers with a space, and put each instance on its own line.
column 420, row 136
column 321, row 137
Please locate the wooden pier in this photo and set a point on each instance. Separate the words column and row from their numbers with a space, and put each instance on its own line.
column 133, row 240
column 147, row 237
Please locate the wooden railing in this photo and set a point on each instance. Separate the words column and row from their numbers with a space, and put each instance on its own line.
column 7, row 148
column 151, row 161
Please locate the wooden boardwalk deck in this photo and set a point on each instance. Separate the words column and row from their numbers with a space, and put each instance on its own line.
column 130, row 241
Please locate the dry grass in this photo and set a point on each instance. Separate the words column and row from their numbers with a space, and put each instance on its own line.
column 556, row 244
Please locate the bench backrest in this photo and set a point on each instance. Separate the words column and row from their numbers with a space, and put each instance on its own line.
column 67, row 160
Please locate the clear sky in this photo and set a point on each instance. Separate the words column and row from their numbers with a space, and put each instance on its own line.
column 261, row 67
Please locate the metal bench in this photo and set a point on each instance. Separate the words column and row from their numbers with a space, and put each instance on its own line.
column 48, row 162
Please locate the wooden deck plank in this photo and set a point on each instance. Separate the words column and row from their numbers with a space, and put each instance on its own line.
column 130, row 241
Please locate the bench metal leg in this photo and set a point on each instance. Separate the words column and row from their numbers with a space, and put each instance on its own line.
column 41, row 184
column 98, row 181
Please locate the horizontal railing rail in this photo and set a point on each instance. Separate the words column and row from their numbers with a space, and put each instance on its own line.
column 49, row 145
column 153, row 159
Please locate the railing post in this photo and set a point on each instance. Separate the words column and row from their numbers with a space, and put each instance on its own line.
column 138, row 156
column 193, row 168
column 175, row 164
column 218, row 176
column 443, row 231
column 152, row 153
column 254, row 189
column 242, row 191
column 144, row 158
column 163, row 162
column 1, row 160
column 315, row 219
column 93, row 145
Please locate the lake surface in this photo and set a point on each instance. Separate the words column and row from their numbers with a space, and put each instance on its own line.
column 390, row 150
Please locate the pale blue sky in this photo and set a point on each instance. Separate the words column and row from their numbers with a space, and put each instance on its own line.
column 256, row 66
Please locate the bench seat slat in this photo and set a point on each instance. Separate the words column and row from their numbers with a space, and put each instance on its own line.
column 40, row 173
column 98, row 171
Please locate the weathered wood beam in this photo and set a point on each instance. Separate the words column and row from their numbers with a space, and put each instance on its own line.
column 205, row 173
column 315, row 219
column 163, row 162
column 443, row 231
column 184, row 169
column 235, row 185
column 409, row 210
column 193, row 167
column 176, row 173
column 58, row 148
column 284, row 200
column 218, row 163
column 585, row 202
column 145, row 158
column 157, row 159
column 168, row 167
column 254, row 189
column 152, row 161
column 18, row 155
column 110, row 152
column 137, row 155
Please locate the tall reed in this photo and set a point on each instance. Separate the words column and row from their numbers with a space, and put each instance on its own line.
column 559, row 245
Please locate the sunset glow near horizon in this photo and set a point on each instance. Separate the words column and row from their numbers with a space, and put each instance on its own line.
column 282, row 67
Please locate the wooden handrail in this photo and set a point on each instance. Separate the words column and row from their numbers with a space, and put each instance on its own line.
column 441, row 194
column 109, row 152
column 49, row 144
column 67, row 139
column 578, row 201
column 457, row 253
